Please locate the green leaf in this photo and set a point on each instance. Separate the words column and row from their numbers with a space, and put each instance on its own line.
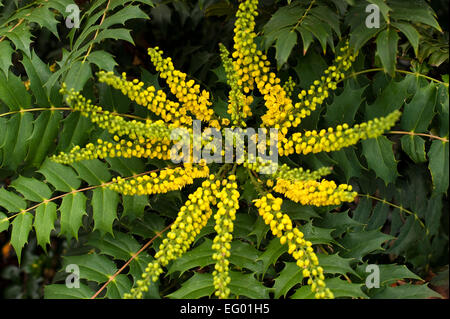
column 4, row 222
column 104, row 60
column 379, row 216
column 94, row 172
column 44, row 223
column 200, row 256
column 199, row 285
column 78, row 75
column 32, row 189
column 21, row 227
column 61, row 291
column 361, row 34
column 245, row 255
column 13, row 92
column 5, row 57
column 11, row 202
column 418, row 114
column 387, row 49
column 380, row 158
column 116, row 34
column 383, row 8
column 133, row 206
column 118, row 287
column 18, row 130
column 92, row 267
column 122, row 246
column 410, row 234
column 389, row 273
column 407, row 291
column 414, row 146
column 290, row 276
column 335, row 264
column 285, row 42
column 45, row 131
column 72, row 209
column 438, row 165
column 246, row 285
column 21, row 37
column 45, row 18
column 411, row 34
column 61, row 177
column 38, row 74
column 125, row 14
column 273, row 251
column 317, row 235
column 419, row 12
column 339, row 287
column 348, row 162
column 344, row 106
column 104, row 204
column 340, row 221
column 359, row 244
column 391, row 98
column 75, row 131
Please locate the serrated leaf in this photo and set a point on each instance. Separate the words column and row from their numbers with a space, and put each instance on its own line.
column 389, row 273
column 11, row 202
column 339, row 287
column 414, row 146
column 122, row 246
column 379, row 216
column 246, row 256
column 290, row 276
column 199, row 285
column 45, row 131
column 72, row 209
column 78, row 75
column 391, row 98
column 285, row 42
column 32, row 189
column 18, row 130
column 246, row 285
column 133, row 206
column 116, row 34
column 13, row 92
column 421, row 12
column 348, row 162
column 387, row 49
column 200, row 256
column 4, row 222
column 75, row 131
column 5, row 57
column 92, row 267
column 359, row 244
column 123, row 15
column 118, row 287
column 380, row 158
column 104, row 204
column 411, row 34
column 21, row 37
column 335, row 264
column 61, row 177
column 61, row 291
column 344, row 106
column 438, row 165
column 273, row 251
column 407, row 291
column 94, row 172
column 44, row 223
column 418, row 114
column 361, row 34
column 104, row 60
column 21, row 227
column 340, row 221
column 317, row 235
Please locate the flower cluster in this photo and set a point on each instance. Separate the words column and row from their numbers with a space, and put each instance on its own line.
column 335, row 139
column 269, row 208
column 167, row 180
column 311, row 192
column 187, row 92
column 155, row 100
column 224, row 217
column 192, row 217
column 246, row 68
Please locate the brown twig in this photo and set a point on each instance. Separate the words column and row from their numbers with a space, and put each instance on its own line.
column 129, row 261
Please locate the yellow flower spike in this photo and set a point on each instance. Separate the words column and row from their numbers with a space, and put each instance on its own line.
column 299, row 249
column 182, row 233
column 224, row 218
column 155, row 100
column 186, row 92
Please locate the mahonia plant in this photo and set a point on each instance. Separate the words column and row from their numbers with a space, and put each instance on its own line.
column 247, row 69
